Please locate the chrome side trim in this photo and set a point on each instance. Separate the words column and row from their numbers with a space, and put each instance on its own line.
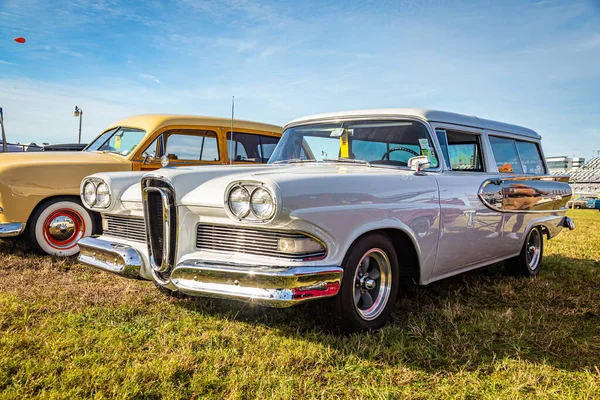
column 525, row 194
column 265, row 285
column 11, row 229
column 118, row 258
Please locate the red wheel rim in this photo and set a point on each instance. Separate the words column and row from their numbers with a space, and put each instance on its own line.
column 63, row 228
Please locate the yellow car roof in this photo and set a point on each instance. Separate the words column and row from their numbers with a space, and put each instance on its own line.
column 151, row 122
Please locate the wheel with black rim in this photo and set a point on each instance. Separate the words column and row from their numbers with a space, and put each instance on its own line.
column 369, row 286
column 529, row 261
column 57, row 225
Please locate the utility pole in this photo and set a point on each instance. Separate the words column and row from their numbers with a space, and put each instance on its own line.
column 4, row 145
column 78, row 113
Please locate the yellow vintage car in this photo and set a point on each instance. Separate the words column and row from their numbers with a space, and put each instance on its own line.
column 39, row 192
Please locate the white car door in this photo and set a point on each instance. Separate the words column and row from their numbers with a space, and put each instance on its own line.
column 470, row 232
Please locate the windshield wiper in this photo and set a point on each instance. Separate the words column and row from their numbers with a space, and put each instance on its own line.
column 292, row 161
column 348, row 160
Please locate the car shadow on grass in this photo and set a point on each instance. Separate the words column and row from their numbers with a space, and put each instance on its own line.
column 466, row 321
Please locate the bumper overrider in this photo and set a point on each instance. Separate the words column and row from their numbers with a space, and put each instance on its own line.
column 11, row 229
column 266, row 285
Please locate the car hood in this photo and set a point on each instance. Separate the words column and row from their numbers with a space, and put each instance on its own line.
column 296, row 184
column 42, row 158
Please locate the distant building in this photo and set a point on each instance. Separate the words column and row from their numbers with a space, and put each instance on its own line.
column 564, row 164
column 585, row 180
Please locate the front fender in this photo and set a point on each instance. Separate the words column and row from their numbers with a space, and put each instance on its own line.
column 125, row 189
column 345, row 224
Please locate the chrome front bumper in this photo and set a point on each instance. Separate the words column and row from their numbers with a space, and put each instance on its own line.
column 118, row 258
column 265, row 285
column 11, row 229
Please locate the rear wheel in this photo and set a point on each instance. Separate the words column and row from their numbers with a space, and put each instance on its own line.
column 529, row 261
column 57, row 225
column 369, row 287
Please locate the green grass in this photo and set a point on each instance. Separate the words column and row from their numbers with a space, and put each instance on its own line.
column 67, row 331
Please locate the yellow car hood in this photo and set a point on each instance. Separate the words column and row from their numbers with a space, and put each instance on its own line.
column 67, row 158
column 26, row 179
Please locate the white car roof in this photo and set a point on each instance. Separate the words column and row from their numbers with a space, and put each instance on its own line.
column 427, row 115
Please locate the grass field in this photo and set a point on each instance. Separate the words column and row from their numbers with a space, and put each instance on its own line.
column 67, row 331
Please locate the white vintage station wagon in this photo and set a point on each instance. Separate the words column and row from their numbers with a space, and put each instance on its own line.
column 348, row 205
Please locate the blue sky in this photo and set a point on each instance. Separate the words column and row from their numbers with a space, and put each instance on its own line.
column 533, row 63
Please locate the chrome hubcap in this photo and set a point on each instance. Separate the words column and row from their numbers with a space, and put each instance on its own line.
column 534, row 249
column 372, row 284
column 61, row 228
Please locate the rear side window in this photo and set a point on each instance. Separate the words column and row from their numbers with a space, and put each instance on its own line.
column 515, row 156
column 530, row 158
column 197, row 146
column 251, row 147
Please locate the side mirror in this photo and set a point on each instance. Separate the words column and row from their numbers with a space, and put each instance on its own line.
column 149, row 159
column 418, row 163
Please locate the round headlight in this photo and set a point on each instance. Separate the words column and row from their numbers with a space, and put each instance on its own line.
column 89, row 194
column 239, row 202
column 102, row 195
column 262, row 204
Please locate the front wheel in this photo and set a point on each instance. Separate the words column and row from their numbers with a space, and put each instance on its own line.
column 529, row 261
column 369, row 287
column 57, row 225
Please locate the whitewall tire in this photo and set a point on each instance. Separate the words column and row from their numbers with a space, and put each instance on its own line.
column 57, row 225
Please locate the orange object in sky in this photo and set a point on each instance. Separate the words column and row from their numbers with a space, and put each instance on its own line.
column 20, row 40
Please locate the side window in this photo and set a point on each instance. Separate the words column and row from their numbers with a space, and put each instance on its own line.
column 515, row 156
column 463, row 151
column 505, row 153
column 154, row 149
column 251, row 147
column 530, row 158
column 237, row 149
column 266, row 150
column 201, row 146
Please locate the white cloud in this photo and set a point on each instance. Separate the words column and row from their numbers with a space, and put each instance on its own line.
column 151, row 77
column 42, row 112
column 6, row 62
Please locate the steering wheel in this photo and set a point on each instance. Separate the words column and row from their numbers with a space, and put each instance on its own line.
column 387, row 153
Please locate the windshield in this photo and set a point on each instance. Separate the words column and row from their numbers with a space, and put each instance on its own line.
column 376, row 142
column 118, row 140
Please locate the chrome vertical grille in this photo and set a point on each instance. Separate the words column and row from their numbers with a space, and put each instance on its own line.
column 161, row 223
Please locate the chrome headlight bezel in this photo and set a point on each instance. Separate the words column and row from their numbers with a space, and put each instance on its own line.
column 253, row 203
column 95, row 183
column 106, row 194
column 251, row 215
column 243, row 192
column 84, row 196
